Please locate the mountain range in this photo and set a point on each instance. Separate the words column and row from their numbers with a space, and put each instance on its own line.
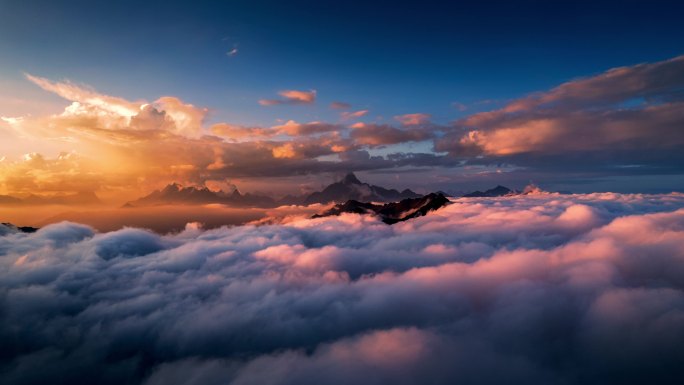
column 8, row 228
column 177, row 194
column 502, row 191
column 348, row 188
column 79, row 198
column 498, row 191
column 391, row 213
column 351, row 188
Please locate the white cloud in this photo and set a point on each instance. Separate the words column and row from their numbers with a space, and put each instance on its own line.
column 548, row 288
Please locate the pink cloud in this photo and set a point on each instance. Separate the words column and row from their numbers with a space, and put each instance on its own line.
column 293, row 128
column 340, row 105
column 349, row 115
column 291, row 97
column 583, row 115
column 382, row 134
column 413, row 119
column 350, row 300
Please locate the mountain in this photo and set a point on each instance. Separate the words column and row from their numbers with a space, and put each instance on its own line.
column 177, row 194
column 9, row 200
column 501, row 191
column 351, row 188
column 498, row 191
column 391, row 213
column 8, row 228
column 79, row 198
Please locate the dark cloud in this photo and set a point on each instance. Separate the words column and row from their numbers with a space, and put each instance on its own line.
column 536, row 289
column 373, row 135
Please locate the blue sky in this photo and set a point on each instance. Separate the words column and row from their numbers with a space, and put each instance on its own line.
column 509, row 92
column 392, row 58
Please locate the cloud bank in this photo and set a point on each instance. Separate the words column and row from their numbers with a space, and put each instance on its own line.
column 626, row 116
column 623, row 122
column 537, row 289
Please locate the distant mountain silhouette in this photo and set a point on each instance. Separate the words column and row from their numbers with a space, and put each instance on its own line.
column 498, row 191
column 351, row 188
column 9, row 200
column 177, row 194
column 79, row 198
column 8, row 228
column 393, row 212
column 501, row 191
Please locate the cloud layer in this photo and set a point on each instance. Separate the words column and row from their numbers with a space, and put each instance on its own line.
column 536, row 289
column 627, row 116
column 623, row 122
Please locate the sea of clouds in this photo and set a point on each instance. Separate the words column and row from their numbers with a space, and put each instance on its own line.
column 552, row 289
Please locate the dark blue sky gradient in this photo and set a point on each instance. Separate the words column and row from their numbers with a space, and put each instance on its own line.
column 389, row 57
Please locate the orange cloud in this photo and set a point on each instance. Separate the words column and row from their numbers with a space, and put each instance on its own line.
column 348, row 115
column 383, row 134
column 291, row 97
column 586, row 115
column 80, row 94
column 293, row 128
column 413, row 119
column 237, row 132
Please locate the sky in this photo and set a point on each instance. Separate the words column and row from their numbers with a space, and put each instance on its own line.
column 121, row 98
column 114, row 99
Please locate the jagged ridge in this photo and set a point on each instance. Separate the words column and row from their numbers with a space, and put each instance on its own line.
column 391, row 213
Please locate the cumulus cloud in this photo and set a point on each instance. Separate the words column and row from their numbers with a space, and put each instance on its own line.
column 123, row 149
column 535, row 289
column 372, row 134
column 624, row 122
column 413, row 119
column 291, row 97
column 625, row 116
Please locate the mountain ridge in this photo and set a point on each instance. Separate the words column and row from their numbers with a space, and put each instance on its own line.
column 392, row 212
column 351, row 188
column 348, row 188
column 78, row 198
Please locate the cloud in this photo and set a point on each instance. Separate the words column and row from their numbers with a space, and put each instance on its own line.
column 459, row 106
column 624, row 122
column 80, row 94
column 234, row 51
column 293, row 128
column 122, row 149
column 627, row 115
column 238, row 132
column 534, row 289
column 348, row 115
column 413, row 119
column 371, row 134
column 291, row 97
column 340, row 106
